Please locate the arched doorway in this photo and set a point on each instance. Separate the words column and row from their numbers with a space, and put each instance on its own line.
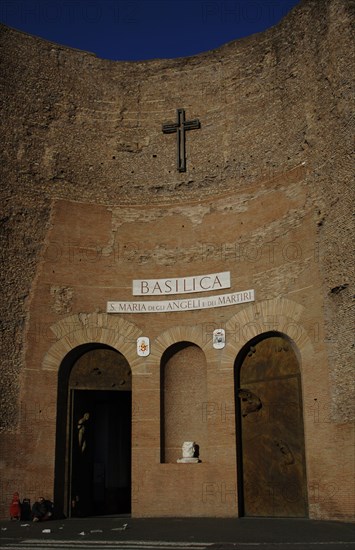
column 93, row 455
column 270, row 445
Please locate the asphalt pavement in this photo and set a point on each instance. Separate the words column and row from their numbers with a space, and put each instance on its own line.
column 210, row 533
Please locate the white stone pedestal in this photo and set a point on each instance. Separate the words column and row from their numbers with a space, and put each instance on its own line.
column 188, row 451
column 188, row 460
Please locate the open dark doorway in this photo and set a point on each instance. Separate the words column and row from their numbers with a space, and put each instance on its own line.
column 100, row 461
column 93, row 436
column 270, row 444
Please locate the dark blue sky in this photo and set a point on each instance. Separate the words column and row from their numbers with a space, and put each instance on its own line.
column 143, row 29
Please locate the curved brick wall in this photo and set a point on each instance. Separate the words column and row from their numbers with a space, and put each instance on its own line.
column 91, row 197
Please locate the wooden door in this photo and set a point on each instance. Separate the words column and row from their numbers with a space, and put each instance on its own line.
column 272, row 464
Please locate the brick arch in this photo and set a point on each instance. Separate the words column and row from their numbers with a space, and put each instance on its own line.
column 173, row 335
column 282, row 390
column 279, row 315
column 76, row 330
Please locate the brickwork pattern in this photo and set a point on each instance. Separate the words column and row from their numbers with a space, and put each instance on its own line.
column 91, row 199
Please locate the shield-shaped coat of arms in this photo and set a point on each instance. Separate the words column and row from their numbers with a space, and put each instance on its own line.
column 143, row 347
column 219, row 338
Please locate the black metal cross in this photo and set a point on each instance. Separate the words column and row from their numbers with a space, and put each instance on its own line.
column 180, row 127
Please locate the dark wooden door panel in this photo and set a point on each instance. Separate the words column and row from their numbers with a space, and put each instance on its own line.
column 274, row 480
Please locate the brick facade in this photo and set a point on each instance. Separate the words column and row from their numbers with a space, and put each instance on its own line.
column 92, row 199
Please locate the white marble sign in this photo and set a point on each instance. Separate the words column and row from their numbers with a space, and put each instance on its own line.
column 181, row 285
column 167, row 306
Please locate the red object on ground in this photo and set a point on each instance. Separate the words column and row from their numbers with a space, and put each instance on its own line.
column 15, row 507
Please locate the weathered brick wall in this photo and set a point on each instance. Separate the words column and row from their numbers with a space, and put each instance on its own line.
column 91, row 196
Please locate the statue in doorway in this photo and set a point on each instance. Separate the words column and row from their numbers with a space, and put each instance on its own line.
column 189, row 449
column 81, row 431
